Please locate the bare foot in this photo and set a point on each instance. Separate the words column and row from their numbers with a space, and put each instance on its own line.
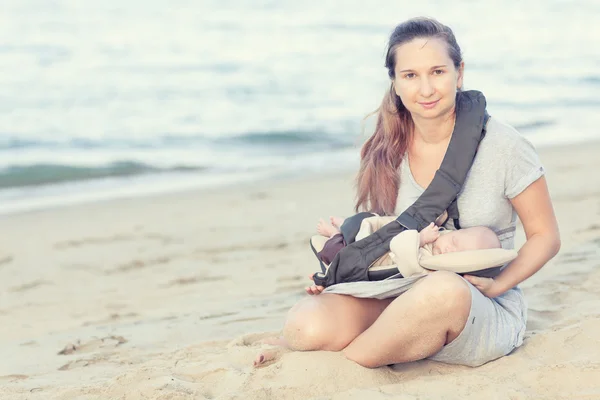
column 337, row 221
column 325, row 229
column 265, row 357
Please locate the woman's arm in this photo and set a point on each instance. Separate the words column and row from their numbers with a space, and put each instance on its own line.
column 536, row 213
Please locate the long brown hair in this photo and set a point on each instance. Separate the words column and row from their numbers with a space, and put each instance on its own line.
column 378, row 179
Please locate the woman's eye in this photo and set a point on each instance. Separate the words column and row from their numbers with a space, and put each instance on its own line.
column 410, row 75
column 438, row 72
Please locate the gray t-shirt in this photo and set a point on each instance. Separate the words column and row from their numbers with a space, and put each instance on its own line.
column 506, row 164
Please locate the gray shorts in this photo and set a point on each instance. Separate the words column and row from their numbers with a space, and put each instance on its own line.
column 494, row 328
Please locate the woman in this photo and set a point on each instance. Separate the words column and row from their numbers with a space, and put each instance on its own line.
column 444, row 317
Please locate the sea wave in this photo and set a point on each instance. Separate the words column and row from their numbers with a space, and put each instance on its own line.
column 265, row 139
column 41, row 174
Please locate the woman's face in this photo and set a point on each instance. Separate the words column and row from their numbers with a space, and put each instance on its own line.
column 425, row 77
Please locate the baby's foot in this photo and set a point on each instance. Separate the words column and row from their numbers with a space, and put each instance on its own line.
column 325, row 229
column 336, row 221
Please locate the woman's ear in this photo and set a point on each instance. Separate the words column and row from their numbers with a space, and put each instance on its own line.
column 461, row 70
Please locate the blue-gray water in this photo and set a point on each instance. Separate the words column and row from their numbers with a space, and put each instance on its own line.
column 102, row 99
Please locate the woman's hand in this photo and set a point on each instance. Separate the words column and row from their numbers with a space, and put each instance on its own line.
column 314, row 289
column 487, row 286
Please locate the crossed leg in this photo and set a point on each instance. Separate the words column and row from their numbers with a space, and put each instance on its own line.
column 417, row 324
column 324, row 322
column 373, row 332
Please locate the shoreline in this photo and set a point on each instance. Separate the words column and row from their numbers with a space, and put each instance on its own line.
column 263, row 182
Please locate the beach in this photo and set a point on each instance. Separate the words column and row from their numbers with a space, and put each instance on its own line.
column 169, row 297
column 163, row 166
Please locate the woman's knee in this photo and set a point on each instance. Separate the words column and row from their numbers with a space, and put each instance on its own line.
column 329, row 322
column 309, row 326
column 446, row 291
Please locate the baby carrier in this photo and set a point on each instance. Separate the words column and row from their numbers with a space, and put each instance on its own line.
column 356, row 261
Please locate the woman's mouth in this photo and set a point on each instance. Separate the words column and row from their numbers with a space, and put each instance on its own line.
column 430, row 104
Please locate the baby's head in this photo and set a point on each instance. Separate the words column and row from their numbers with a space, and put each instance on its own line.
column 475, row 238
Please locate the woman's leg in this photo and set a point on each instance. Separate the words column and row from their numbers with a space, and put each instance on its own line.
column 329, row 321
column 417, row 324
column 414, row 326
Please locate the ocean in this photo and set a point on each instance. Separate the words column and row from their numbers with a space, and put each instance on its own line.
column 124, row 98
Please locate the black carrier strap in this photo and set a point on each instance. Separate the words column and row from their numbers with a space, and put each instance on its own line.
column 449, row 178
column 352, row 263
column 453, row 212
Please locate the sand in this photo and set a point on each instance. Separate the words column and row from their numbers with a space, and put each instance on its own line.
column 168, row 297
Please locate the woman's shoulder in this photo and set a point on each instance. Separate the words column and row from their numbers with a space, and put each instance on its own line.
column 502, row 138
column 513, row 157
column 500, row 132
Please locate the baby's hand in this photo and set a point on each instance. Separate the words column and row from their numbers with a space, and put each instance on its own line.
column 313, row 289
column 429, row 234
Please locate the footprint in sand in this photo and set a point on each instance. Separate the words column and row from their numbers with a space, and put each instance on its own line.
column 192, row 280
column 13, row 378
column 105, row 342
column 93, row 241
column 28, row 286
column 5, row 259
column 234, row 321
column 111, row 318
column 77, row 364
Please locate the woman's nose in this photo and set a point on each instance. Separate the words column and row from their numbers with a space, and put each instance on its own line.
column 426, row 87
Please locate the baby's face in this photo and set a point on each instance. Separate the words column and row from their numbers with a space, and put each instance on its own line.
column 459, row 240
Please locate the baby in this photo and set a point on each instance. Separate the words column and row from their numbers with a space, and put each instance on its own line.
column 474, row 238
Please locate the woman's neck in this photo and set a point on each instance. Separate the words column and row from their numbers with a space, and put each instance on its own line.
column 435, row 131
